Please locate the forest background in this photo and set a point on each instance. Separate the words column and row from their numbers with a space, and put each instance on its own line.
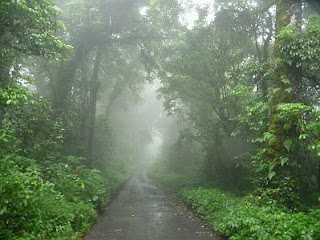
column 241, row 84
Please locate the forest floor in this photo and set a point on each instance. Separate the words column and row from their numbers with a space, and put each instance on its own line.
column 143, row 211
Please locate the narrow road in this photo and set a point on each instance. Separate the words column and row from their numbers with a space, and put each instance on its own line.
column 142, row 211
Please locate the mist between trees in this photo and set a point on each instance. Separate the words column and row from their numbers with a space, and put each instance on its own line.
column 221, row 95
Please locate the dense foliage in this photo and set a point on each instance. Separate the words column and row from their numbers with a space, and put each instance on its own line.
column 243, row 86
column 62, row 149
column 44, row 194
column 35, row 208
column 249, row 218
column 249, row 102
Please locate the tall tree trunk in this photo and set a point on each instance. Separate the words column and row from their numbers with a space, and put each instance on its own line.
column 84, row 102
column 5, row 65
column 63, row 82
column 288, row 12
column 265, row 56
column 116, row 91
column 93, row 101
column 319, row 175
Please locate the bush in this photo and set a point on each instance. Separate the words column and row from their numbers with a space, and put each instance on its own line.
column 76, row 182
column 246, row 218
column 31, row 208
column 43, row 194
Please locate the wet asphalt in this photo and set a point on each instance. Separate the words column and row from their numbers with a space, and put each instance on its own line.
column 143, row 211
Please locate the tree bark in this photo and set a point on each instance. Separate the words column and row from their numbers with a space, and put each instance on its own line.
column 63, row 82
column 93, row 101
column 287, row 12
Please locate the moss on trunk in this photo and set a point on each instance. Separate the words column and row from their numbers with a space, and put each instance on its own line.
column 285, row 78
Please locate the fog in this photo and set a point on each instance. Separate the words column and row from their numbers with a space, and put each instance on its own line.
column 216, row 100
column 141, row 119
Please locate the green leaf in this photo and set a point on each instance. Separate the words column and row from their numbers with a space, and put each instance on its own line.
column 285, row 81
column 288, row 90
column 271, row 174
column 288, row 144
column 276, row 90
column 289, row 62
column 287, row 126
column 303, row 136
column 284, row 160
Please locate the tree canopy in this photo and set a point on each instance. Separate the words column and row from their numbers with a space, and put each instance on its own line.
column 239, row 79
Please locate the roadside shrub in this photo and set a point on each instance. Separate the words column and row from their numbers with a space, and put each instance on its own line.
column 245, row 218
column 95, row 189
column 31, row 208
column 76, row 182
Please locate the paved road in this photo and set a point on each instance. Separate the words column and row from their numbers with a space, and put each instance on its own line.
column 142, row 211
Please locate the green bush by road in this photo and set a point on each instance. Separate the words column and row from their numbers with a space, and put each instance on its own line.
column 247, row 218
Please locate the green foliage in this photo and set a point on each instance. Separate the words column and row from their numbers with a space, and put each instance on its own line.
column 219, row 86
column 29, row 127
column 247, row 218
column 45, row 193
column 13, row 95
column 54, row 201
column 30, row 27
column 58, row 196
column 302, row 48
column 252, row 120
column 57, row 200
column 288, row 175
column 216, row 77
column 30, row 207
column 77, row 183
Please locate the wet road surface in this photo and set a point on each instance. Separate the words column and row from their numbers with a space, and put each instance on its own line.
column 142, row 211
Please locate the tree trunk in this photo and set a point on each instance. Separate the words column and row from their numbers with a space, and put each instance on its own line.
column 116, row 92
column 5, row 65
column 285, row 12
column 319, row 175
column 288, row 12
column 93, row 101
column 84, row 102
column 63, row 82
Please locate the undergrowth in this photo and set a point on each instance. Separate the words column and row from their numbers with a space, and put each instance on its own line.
column 56, row 201
column 248, row 218
column 240, row 217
